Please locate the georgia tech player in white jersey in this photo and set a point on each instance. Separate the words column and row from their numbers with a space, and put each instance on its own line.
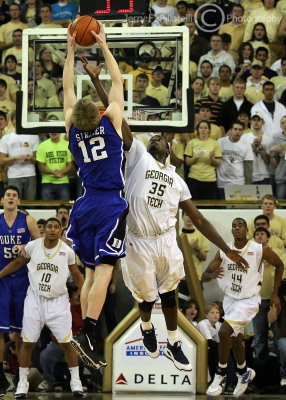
column 50, row 261
column 241, row 288
column 154, row 262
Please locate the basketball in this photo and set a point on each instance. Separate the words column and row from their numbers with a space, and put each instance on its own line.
column 83, row 26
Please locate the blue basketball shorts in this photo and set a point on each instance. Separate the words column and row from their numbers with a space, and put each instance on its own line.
column 13, row 290
column 98, row 227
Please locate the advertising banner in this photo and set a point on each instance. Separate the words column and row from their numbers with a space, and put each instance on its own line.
column 135, row 370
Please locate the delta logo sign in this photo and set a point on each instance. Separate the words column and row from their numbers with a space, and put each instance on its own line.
column 135, row 348
column 155, row 379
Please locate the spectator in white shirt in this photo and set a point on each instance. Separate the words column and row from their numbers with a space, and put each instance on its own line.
column 217, row 56
column 271, row 110
column 260, row 144
column 164, row 14
column 237, row 160
column 209, row 328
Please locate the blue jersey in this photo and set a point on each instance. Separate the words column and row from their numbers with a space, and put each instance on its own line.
column 17, row 234
column 99, row 156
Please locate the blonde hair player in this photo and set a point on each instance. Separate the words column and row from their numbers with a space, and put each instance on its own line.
column 98, row 218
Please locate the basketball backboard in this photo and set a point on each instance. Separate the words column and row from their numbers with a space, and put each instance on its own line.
column 140, row 48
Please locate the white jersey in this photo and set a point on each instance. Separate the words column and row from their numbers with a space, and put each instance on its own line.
column 49, row 268
column 153, row 191
column 240, row 284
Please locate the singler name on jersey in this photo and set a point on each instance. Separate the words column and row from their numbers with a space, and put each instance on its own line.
column 86, row 135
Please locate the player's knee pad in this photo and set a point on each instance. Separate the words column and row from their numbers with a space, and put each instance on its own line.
column 146, row 306
column 168, row 299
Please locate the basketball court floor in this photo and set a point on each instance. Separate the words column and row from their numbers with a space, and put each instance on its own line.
column 143, row 396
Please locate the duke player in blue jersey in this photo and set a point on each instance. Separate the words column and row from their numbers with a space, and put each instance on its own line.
column 98, row 219
column 16, row 229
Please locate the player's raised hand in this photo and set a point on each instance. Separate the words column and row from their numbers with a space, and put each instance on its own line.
column 92, row 70
column 100, row 37
column 71, row 38
column 240, row 261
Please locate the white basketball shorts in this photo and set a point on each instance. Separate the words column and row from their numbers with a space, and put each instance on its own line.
column 40, row 311
column 239, row 312
column 153, row 264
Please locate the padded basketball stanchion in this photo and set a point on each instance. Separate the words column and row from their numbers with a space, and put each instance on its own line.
column 128, row 330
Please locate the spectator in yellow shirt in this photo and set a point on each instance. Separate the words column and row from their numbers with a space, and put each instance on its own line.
column 280, row 80
column 6, row 30
column 254, row 84
column 277, row 224
column 269, row 16
column 235, row 28
column 203, row 156
column 6, row 105
column 156, row 89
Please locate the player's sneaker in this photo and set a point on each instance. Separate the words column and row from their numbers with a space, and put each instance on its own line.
column 87, row 350
column 217, row 386
column 4, row 384
column 175, row 353
column 44, row 386
column 76, row 388
column 243, row 381
column 150, row 342
column 22, row 390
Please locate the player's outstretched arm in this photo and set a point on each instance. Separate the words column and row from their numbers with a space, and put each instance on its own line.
column 94, row 71
column 208, row 230
column 13, row 266
column 214, row 270
column 77, row 276
column 115, row 108
column 274, row 260
column 68, row 79
column 33, row 227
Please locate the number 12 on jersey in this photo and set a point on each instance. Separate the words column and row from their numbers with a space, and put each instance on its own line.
column 96, row 148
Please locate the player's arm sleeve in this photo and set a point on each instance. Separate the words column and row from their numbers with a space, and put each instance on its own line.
column 29, row 249
column 71, row 256
column 185, row 193
column 134, row 154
